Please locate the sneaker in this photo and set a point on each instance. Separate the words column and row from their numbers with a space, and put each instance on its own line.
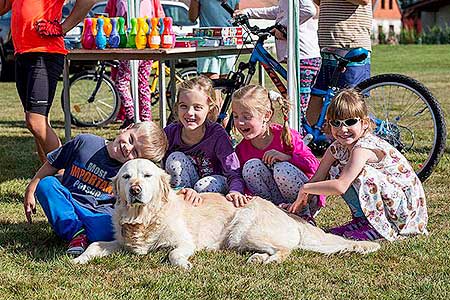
column 77, row 245
column 363, row 233
column 352, row 225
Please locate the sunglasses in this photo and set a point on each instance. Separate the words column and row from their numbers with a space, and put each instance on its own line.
column 347, row 123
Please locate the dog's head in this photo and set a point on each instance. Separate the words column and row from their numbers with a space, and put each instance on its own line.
column 140, row 182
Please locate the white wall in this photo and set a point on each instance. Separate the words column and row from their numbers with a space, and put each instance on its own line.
column 386, row 23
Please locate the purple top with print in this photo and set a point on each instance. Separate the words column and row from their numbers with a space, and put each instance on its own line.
column 213, row 155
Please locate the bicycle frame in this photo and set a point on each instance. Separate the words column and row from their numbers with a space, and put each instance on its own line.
column 273, row 68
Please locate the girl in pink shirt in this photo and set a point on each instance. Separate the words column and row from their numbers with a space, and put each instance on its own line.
column 275, row 161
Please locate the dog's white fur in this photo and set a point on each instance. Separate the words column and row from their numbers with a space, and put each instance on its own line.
column 150, row 215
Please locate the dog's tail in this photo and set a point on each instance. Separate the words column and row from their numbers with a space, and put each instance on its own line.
column 315, row 239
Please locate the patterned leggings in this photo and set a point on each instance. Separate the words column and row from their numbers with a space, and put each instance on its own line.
column 279, row 183
column 309, row 69
column 183, row 173
column 123, row 81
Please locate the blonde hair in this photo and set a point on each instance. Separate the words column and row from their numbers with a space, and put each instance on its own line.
column 203, row 85
column 257, row 99
column 153, row 140
column 349, row 103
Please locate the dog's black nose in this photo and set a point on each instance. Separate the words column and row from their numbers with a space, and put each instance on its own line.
column 135, row 190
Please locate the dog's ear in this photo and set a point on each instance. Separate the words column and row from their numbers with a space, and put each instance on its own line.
column 165, row 186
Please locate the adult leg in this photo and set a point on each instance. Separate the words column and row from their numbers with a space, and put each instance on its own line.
column 259, row 180
column 37, row 76
column 145, row 101
column 181, row 170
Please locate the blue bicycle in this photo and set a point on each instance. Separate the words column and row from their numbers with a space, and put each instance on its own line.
column 405, row 112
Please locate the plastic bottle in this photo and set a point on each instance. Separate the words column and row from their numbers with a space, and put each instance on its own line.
column 114, row 38
column 167, row 36
column 87, row 37
column 107, row 26
column 154, row 40
column 141, row 37
column 122, row 32
column 100, row 38
column 133, row 33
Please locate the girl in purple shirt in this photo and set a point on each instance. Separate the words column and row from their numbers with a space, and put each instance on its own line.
column 201, row 157
column 275, row 162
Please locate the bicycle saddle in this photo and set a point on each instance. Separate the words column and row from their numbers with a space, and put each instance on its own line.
column 350, row 54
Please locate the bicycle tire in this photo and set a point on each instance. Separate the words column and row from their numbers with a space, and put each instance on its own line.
column 186, row 73
column 410, row 117
column 98, row 112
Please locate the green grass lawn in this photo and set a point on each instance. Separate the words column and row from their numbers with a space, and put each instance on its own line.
column 34, row 265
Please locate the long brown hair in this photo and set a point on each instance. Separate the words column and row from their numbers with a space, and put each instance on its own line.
column 257, row 99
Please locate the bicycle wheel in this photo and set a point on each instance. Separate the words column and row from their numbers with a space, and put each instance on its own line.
column 184, row 74
column 91, row 106
column 409, row 117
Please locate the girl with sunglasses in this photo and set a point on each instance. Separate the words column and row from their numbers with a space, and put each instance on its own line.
column 385, row 196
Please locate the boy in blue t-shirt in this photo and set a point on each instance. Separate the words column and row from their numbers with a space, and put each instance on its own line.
column 79, row 208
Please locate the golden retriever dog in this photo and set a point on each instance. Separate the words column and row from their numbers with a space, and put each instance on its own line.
column 149, row 215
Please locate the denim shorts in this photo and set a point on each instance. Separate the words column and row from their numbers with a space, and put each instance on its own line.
column 353, row 75
column 37, row 76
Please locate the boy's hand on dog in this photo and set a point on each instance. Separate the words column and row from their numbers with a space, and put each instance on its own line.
column 190, row 195
column 238, row 199
column 29, row 205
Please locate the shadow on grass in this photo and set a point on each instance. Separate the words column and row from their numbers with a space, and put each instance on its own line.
column 33, row 240
column 18, row 157
column 21, row 124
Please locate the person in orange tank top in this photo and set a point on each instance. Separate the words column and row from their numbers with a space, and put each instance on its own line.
column 37, row 33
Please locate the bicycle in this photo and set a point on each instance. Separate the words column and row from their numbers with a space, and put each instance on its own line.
column 405, row 112
column 94, row 99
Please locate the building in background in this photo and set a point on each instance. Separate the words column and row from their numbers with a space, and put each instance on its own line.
column 387, row 21
column 422, row 15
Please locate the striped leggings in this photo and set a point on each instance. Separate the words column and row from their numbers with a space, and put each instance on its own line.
column 123, row 81
column 309, row 68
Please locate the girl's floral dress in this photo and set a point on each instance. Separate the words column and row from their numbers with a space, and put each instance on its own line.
column 390, row 193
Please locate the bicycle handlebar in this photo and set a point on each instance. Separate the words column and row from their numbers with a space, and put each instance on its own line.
column 243, row 20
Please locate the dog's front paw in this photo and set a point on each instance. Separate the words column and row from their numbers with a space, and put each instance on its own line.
column 183, row 263
column 82, row 259
column 258, row 258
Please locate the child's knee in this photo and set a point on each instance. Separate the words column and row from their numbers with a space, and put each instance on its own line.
column 47, row 184
column 175, row 161
column 253, row 164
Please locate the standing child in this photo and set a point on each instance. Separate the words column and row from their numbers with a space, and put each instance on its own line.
column 201, row 157
column 148, row 9
column 276, row 162
column 308, row 43
column 79, row 208
column 378, row 184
